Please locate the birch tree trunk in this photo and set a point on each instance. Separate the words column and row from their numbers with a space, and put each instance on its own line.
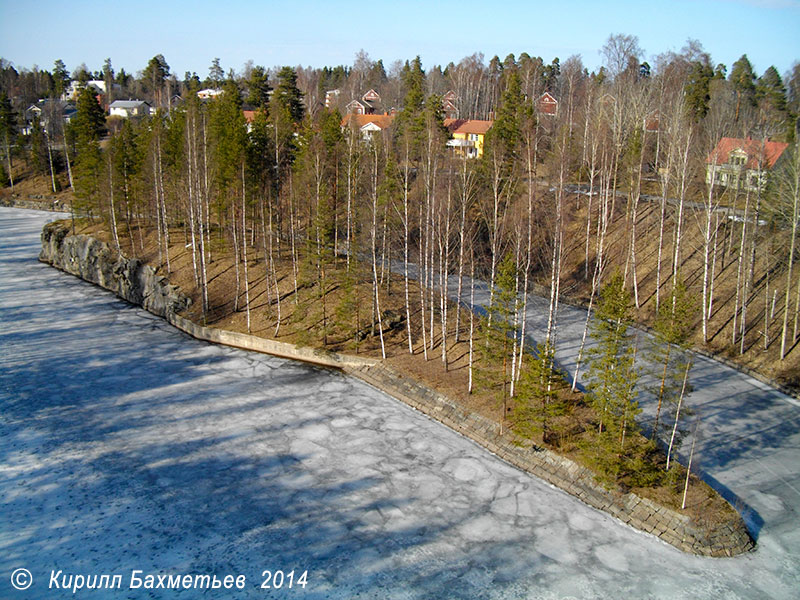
column 244, row 252
column 164, row 216
column 374, row 240
column 405, row 252
column 471, row 317
column 740, row 271
column 111, row 204
column 794, row 215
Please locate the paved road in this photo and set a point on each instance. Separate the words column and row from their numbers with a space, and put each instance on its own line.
column 127, row 445
column 748, row 443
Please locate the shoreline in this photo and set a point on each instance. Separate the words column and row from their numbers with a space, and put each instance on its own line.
column 137, row 283
column 32, row 204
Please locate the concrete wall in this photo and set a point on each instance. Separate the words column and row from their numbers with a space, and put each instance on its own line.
column 93, row 261
column 315, row 356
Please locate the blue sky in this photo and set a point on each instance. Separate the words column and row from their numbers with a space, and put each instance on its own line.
column 318, row 33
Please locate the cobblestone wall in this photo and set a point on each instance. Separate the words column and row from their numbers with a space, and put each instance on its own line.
column 725, row 539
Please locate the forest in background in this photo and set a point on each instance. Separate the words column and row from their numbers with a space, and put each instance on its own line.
column 605, row 202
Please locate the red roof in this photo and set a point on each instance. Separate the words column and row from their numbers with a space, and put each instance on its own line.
column 382, row 121
column 468, row 126
column 249, row 115
column 768, row 152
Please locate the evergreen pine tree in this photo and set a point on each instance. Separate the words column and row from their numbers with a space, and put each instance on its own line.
column 494, row 368
column 38, row 153
column 287, row 96
column 669, row 355
column 539, row 403
column 258, row 89
column 8, row 131
column 611, row 382
column 87, row 127
column 743, row 79
column 61, row 78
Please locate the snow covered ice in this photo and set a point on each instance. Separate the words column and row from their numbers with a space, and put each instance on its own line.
column 128, row 445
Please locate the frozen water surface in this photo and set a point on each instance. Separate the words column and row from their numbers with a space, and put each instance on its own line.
column 128, row 445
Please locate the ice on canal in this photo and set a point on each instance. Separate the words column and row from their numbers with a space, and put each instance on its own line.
column 129, row 446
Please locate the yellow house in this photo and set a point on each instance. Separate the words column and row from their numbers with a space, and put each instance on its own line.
column 468, row 135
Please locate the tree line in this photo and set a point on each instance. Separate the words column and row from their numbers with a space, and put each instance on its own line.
column 607, row 196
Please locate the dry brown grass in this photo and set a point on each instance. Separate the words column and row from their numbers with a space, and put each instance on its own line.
column 768, row 273
column 301, row 321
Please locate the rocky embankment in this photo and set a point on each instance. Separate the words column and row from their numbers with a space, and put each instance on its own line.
column 93, row 260
column 139, row 284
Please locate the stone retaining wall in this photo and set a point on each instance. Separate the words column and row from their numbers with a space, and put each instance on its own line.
column 726, row 539
column 93, row 261
column 35, row 202
column 139, row 284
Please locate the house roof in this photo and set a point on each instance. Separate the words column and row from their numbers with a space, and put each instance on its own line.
column 371, row 96
column 752, row 148
column 468, row 126
column 209, row 93
column 381, row 121
column 127, row 103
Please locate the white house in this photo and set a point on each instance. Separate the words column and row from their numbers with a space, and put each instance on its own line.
column 743, row 163
column 128, row 109
column 98, row 84
column 331, row 98
column 209, row 93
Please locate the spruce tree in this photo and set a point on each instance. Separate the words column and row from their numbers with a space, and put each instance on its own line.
column 287, row 96
column 410, row 122
column 8, row 131
column 615, row 450
column 669, row 355
column 494, row 371
column 539, row 404
column 258, row 89
column 770, row 88
column 743, row 79
column 38, row 153
column 88, row 126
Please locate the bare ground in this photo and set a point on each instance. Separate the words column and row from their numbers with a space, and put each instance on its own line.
column 303, row 323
